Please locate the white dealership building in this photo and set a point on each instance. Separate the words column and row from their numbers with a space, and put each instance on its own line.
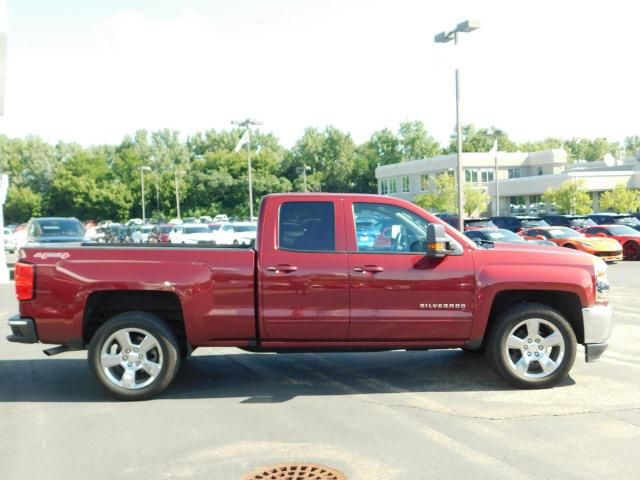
column 522, row 177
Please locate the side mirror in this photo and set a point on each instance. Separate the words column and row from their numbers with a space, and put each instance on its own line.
column 601, row 234
column 540, row 237
column 437, row 241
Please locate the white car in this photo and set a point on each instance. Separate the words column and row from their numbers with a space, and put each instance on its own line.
column 191, row 233
column 144, row 233
column 95, row 234
column 221, row 218
column 9, row 241
column 244, row 233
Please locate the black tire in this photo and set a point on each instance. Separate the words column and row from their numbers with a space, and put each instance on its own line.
column 503, row 361
column 167, row 347
column 631, row 250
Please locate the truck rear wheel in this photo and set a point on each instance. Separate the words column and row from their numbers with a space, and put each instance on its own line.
column 134, row 356
column 532, row 346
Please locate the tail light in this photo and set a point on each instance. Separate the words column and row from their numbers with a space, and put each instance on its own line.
column 24, row 277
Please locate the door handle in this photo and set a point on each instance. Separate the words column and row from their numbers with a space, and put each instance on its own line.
column 282, row 268
column 369, row 268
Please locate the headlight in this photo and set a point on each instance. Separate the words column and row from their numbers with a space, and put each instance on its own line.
column 602, row 284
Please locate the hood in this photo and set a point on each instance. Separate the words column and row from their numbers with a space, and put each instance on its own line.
column 532, row 254
column 528, row 245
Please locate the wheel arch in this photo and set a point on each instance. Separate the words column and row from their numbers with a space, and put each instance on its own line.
column 103, row 305
column 566, row 303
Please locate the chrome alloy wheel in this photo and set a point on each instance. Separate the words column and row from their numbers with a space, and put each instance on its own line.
column 534, row 349
column 131, row 358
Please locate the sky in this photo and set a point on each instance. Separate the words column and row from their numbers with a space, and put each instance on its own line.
column 91, row 72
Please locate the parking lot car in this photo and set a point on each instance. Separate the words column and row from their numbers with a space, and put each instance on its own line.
column 244, row 233
column 616, row 218
column 221, row 217
column 502, row 235
column 145, row 231
column 191, row 233
column 516, row 224
column 9, row 240
column 469, row 223
column 160, row 233
column 606, row 248
column 625, row 235
column 44, row 230
column 572, row 221
column 311, row 284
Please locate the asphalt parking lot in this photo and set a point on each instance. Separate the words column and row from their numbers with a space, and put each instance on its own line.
column 393, row 415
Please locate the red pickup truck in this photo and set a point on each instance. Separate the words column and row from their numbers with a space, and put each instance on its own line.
column 328, row 272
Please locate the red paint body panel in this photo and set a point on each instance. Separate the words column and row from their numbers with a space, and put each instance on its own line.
column 322, row 303
column 215, row 287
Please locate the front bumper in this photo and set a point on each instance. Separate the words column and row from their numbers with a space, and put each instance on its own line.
column 23, row 330
column 598, row 323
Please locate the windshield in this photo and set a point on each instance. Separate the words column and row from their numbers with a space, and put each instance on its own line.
column 627, row 220
column 502, row 235
column 480, row 223
column 563, row 232
column 534, row 223
column 245, row 228
column 188, row 230
column 58, row 228
column 623, row 230
column 581, row 222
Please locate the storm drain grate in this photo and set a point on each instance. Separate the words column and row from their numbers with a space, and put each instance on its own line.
column 295, row 471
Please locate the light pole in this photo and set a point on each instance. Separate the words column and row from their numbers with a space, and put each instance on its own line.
column 143, row 169
column 178, row 172
column 305, row 168
column 247, row 124
column 443, row 37
column 155, row 166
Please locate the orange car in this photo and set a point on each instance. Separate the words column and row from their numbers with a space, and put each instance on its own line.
column 628, row 237
column 608, row 249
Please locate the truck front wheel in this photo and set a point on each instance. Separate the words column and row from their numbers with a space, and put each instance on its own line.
column 134, row 355
column 532, row 346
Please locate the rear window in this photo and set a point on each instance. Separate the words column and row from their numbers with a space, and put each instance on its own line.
column 307, row 226
column 58, row 228
column 534, row 223
column 196, row 230
column 166, row 229
column 245, row 228
column 581, row 222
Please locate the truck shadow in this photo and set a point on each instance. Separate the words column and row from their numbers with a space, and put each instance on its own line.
column 267, row 378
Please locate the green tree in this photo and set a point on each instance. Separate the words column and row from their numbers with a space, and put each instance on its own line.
column 621, row 199
column 481, row 140
column 632, row 146
column 415, row 142
column 538, row 145
column 589, row 149
column 569, row 198
column 330, row 154
column 443, row 197
column 475, row 200
column 22, row 204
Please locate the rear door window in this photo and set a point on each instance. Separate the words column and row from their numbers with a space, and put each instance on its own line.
column 307, row 227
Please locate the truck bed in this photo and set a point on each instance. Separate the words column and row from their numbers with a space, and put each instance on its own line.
column 214, row 288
